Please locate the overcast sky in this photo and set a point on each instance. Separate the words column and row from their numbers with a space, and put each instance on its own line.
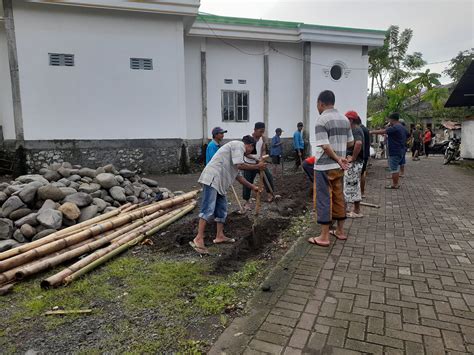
column 441, row 28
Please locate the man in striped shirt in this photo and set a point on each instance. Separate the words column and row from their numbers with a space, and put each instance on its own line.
column 333, row 137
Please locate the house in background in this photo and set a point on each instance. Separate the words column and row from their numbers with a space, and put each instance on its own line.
column 142, row 83
column 463, row 96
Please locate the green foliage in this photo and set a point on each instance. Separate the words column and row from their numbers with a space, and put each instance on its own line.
column 459, row 64
column 436, row 97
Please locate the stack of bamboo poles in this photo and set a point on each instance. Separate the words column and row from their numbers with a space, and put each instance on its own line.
column 96, row 241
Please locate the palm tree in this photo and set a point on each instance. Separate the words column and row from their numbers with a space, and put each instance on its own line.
column 424, row 80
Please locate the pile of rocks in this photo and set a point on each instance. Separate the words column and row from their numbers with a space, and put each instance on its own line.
column 62, row 195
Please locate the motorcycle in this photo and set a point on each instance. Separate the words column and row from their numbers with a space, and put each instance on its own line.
column 439, row 148
column 453, row 151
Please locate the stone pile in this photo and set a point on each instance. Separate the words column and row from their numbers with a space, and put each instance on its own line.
column 62, row 195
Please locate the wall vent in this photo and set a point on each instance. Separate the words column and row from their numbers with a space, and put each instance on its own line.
column 228, row 81
column 242, row 81
column 61, row 60
column 141, row 63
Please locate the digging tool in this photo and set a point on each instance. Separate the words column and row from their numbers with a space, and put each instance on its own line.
column 271, row 191
column 259, row 194
column 373, row 205
column 238, row 200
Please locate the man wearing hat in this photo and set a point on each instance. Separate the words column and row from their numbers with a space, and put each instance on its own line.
column 355, row 158
column 276, row 149
column 215, row 144
column 216, row 178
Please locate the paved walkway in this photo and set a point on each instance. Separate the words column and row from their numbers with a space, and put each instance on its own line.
column 402, row 283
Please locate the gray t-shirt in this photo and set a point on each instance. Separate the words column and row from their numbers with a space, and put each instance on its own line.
column 358, row 135
column 222, row 170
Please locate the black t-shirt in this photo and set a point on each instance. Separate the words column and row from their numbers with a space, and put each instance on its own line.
column 366, row 142
column 358, row 135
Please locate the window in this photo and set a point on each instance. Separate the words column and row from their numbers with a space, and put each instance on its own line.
column 61, row 60
column 336, row 72
column 235, row 106
column 141, row 63
column 228, row 81
column 242, row 81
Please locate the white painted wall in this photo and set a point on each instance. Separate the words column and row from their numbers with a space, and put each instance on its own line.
column 6, row 103
column 226, row 62
column 101, row 97
column 350, row 92
column 192, row 59
column 285, row 88
column 467, row 139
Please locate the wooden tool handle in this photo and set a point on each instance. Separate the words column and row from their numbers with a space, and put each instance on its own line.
column 259, row 193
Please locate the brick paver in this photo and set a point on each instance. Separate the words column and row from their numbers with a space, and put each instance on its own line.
column 402, row 283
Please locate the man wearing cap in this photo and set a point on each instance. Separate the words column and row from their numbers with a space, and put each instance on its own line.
column 215, row 144
column 298, row 144
column 216, row 178
column 276, row 149
column 355, row 158
column 254, row 158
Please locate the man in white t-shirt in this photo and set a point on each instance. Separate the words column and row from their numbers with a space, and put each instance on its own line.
column 216, row 178
column 254, row 158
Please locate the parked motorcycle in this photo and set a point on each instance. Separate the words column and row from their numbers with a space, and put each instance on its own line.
column 453, row 151
column 439, row 148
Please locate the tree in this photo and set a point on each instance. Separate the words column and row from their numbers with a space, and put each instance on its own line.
column 436, row 97
column 424, row 80
column 458, row 65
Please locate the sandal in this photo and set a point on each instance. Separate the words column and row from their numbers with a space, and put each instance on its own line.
column 390, row 187
column 315, row 242
column 199, row 250
column 333, row 233
column 354, row 215
column 225, row 241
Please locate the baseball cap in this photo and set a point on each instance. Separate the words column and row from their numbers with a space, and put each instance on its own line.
column 217, row 130
column 248, row 140
column 352, row 115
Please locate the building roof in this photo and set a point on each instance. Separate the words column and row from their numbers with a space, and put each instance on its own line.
column 463, row 93
column 209, row 18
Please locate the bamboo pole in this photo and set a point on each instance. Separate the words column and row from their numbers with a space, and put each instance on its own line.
column 61, row 243
column 121, row 248
column 84, row 247
column 97, row 258
column 259, row 192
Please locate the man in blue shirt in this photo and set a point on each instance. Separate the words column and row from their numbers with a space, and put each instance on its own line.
column 397, row 138
column 298, row 145
column 215, row 144
column 276, row 149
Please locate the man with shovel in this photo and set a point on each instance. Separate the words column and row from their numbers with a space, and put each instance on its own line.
column 216, row 179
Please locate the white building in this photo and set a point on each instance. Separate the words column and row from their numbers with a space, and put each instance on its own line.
column 144, row 82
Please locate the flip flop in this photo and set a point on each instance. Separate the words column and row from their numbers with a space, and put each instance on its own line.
column 226, row 241
column 315, row 242
column 354, row 215
column 333, row 233
column 390, row 187
column 199, row 250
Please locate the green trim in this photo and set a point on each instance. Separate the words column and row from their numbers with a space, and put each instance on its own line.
column 277, row 24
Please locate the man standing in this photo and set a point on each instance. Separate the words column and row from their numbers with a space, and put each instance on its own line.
column 355, row 158
column 416, row 148
column 276, row 149
column 215, row 144
column 397, row 138
column 298, row 145
column 363, row 175
column 216, row 178
column 333, row 137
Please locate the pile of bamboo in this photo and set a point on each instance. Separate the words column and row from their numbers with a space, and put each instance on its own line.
column 96, row 241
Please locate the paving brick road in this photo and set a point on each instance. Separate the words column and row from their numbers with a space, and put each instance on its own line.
column 402, row 284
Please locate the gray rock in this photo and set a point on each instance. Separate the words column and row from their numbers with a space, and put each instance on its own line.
column 48, row 205
column 106, row 180
column 65, row 172
column 96, row 194
column 150, row 182
column 126, row 173
column 19, row 237
column 6, row 228
column 28, row 231
column 178, row 193
column 132, row 199
column 50, row 192
column 86, row 172
column 3, row 197
column 65, row 182
column 86, row 180
column 8, row 244
column 104, row 194
column 25, row 179
column 19, row 213
column 66, row 165
column 13, row 189
column 81, row 199
column 110, row 208
column 58, row 184
column 109, row 168
column 108, row 199
column 28, row 193
column 143, row 195
column 50, row 219
column 55, row 166
column 116, row 204
column 12, row 204
column 100, row 170
column 101, row 204
column 30, row 219
column 137, row 190
column 70, row 210
column 88, row 213
column 119, row 179
column 74, row 177
column 68, row 222
column 129, row 190
column 4, row 185
column 89, row 188
column 74, row 185
column 67, row 191
column 118, row 194
column 43, row 234
column 52, row 175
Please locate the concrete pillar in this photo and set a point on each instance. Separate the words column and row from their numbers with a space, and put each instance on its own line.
column 204, row 93
column 265, row 87
column 306, row 92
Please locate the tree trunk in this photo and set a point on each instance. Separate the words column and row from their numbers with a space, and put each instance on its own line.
column 372, row 86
